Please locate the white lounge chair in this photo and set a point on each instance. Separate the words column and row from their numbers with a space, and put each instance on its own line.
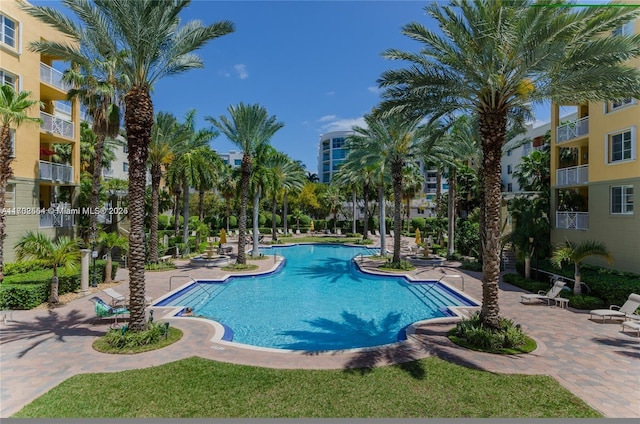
column 118, row 299
column 625, row 311
column 634, row 325
column 548, row 296
column 378, row 233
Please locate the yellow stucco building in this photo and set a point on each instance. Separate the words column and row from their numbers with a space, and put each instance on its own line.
column 41, row 182
column 595, row 176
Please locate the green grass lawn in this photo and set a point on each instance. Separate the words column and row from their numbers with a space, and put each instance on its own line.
column 197, row 388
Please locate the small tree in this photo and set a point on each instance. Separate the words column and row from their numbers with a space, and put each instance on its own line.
column 63, row 253
column 576, row 253
column 109, row 241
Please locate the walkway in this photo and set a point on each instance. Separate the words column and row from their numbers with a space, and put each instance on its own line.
column 40, row 349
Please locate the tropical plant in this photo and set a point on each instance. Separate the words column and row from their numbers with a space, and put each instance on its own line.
column 13, row 112
column 412, row 182
column 284, row 174
column 62, row 253
column 108, row 241
column 228, row 188
column 493, row 59
column 333, row 199
column 576, row 253
column 530, row 229
column 147, row 42
column 250, row 127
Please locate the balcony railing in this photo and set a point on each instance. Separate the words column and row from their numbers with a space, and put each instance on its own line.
column 53, row 77
column 572, row 130
column 55, row 172
column 572, row 220
column 56, row 125
column 58, row 215
column 107, row 173
column 575, row 175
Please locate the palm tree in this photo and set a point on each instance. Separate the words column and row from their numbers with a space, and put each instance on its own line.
column 259, row 183
column 412, row 182
column 530, row 225
column 228, row 187
column 284, row 175
column 62, row 253
column 576, row 253
column 96, row 86
column 250, row 128
column 494, row 58
column 334, row 199
column 390, row 140
column 165, row 133
column 312, row 177
column 13, row 112
column 148, row 42
column 533, row 173
column 108, row 241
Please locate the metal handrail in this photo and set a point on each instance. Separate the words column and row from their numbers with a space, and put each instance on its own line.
column 454, row 276
column 180, row 276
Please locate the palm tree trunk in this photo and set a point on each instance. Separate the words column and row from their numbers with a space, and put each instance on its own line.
column 245, row 170
column 95, row 185
column 492, row 126
column 383, row 230
column 107, row 269
column 53, row 297
column 176, row 213
column 6, row 172
column 256, row 215
column 274, row 233
column 185, row 214
column 408, row 215
column 451, row 227
column 201, row 204
column 577, row 286
column 285, row 205
column 228, row 212
column 138, row 123
column 156, row 174
column 355, row 210
column 396, row 174
column 438, row 190
column 365, row 196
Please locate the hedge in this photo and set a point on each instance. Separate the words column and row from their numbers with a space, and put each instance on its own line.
column 28, row 290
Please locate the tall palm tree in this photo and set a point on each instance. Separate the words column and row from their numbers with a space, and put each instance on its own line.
column 250, row 127
column 284, row 174
column 576, row 253
column 390, row 140
column 13, row 112
column 228, row 188
column 333, row 198
column 412, row 181
column 492, row 58
column 155, row 45
column 95, row 83
column 108, row 241
column 533, row 173
column 62, row 253
column 165, row 133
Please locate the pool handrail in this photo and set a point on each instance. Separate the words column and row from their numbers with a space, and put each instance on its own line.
column 180, row 276
column 453, row 276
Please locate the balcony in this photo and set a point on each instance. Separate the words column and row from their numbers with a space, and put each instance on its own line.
column 572, row 220
column 56, row 126
column 53, row 77
column 572, row 130
column 57, row 216
column 575, row 175
column 55, row 172
column 107, row 173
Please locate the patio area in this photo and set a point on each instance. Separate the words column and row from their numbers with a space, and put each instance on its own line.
column 597, row 362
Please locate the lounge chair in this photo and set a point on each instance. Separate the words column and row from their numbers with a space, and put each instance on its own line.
column 279, row 231
column 119, row 300
column 628, row 310
column 105, row 311
column 378, row 233
column 338, row 231
column 634, row 325
column 548, row 296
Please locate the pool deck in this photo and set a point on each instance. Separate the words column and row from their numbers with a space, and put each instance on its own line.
column 597, row 362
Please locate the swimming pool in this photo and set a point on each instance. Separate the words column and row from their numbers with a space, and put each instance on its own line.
column 318, row 300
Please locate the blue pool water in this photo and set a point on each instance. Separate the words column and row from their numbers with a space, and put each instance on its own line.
column 318, row 300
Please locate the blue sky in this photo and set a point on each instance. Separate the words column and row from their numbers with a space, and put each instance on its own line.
column 313, row 64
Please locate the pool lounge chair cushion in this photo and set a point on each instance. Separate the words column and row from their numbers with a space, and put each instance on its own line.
column 629, row 308
column 546, row 296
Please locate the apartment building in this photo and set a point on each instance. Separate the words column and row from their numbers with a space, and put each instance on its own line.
column 595, row 175
column 233, row 158
column 39, row 184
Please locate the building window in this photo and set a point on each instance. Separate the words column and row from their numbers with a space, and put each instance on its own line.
column 626, row 29
column 622, row 200
column 619, row 104
column 509, row 187
column 509, row 169
column 8, row 31
column 621, row 146
column 8, row 79
column 125, row 148
column 125, row 167
column 509, row 152
column 10, row 197
column 237, row 162
column 337, row 142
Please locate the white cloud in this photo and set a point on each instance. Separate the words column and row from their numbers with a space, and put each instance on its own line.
column 241, row 70
column 327, row 118
column 343, row 124
column 374, row 89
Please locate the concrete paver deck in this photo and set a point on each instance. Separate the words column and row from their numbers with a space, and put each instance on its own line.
column 41, row 348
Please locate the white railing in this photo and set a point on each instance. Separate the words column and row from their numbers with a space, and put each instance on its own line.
column 107, row 173
column 572, row 220
column 573, row 129
column 574, row 175
column 56, row 125
column 53, row 77
column 55, row 220
column 55, row 172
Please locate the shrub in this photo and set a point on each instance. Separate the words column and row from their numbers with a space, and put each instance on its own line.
column 233, row 221
column 24, row 267
column 163, row 222
column 468, row 238
column 121, row 338
column 23, row 296
column 362, row 241
column 472, row 331
column 353, row 235
column 419, row 223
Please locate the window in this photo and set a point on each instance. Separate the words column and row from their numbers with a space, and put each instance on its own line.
column 125, row 148
column 621, row 146
column 509, row 187
column 509, row 152
column 618, row 104
column 626, row 29
column 10, row 196
column 509, row 169
column 339, row 153
column 8, row 31
column 8, row 79
column 622, row 200
column 237, row 162
column 338, row 142
column 125, row 167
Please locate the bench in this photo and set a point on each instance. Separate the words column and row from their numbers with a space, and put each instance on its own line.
column 165, row 258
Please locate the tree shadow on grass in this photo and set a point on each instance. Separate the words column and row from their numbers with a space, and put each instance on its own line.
column 29, row 335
